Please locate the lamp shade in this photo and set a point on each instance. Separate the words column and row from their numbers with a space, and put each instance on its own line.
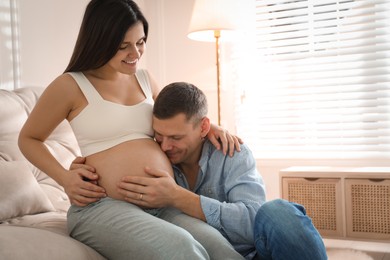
column 209, row 16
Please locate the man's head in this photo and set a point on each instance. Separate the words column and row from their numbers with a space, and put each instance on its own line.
column 180, row 122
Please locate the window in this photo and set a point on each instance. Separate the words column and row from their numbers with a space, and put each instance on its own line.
column 322, row 80
column 9, row 53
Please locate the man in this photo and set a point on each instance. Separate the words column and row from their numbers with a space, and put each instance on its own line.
column 225, row 192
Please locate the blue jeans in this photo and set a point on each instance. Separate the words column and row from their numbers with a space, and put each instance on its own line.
column 284, row 231
column 120, row 230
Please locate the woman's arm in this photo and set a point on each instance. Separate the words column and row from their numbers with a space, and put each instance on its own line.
column 54, row 105
column 219, row 136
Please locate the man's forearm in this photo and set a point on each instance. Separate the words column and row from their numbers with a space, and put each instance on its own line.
column 189, row 203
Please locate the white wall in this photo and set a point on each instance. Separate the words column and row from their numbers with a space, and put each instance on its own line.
column 47, row 33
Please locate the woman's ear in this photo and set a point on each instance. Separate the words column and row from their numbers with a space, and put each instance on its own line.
column 205, row 126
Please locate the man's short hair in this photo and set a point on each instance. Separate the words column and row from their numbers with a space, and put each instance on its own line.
column 181, row 97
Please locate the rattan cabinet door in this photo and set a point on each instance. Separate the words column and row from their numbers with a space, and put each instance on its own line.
column 322, row 199
column 368, row 208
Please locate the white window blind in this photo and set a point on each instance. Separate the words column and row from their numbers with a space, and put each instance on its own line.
column 320, row 82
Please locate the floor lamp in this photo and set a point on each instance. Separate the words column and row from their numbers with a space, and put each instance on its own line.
column 214, row 20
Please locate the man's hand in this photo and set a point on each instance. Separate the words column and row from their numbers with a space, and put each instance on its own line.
column 158, row 190
column 81, row 185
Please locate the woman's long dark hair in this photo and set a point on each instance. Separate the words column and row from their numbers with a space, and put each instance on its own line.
column 102, row 31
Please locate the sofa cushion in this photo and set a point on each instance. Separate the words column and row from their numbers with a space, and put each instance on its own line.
column 16, row 107
column 33, row 243
column 26, row 190
column 53, row 221
column 20, row 193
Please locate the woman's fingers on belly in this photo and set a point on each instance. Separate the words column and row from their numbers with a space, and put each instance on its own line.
column 85, row 197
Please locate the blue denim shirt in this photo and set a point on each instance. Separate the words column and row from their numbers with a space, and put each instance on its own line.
column 231, row 192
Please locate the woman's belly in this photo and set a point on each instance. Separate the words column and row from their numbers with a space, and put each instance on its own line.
column 128, row 158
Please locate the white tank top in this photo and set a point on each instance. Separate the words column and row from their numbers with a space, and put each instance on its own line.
column 103, row 124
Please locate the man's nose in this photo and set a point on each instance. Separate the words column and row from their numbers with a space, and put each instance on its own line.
column 165, row 145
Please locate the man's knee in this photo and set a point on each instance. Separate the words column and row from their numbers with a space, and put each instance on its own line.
column 280, row 207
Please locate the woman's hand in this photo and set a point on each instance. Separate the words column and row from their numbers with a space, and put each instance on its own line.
column 218, row 135
column 81, row 185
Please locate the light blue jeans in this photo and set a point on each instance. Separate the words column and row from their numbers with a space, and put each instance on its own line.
column 284, row 231
column 120, row 230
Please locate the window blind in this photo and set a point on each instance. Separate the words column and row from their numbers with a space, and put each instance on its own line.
column 319, row 86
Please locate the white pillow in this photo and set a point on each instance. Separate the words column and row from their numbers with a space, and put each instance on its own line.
column 20, row 193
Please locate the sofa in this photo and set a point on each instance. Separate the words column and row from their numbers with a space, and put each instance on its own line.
column 32, row 205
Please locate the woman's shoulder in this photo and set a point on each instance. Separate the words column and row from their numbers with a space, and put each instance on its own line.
column 64, row 78
column 63, row 86
column 64, row 81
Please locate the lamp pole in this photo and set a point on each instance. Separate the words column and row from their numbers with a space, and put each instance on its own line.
column 209, row 18
column 217, row 35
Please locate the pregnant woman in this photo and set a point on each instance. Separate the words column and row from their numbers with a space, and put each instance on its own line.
column 108, row 102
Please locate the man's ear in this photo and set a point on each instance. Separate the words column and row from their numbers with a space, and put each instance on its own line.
column 205, row 126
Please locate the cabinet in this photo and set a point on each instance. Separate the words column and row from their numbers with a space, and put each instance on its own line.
column 342, row 202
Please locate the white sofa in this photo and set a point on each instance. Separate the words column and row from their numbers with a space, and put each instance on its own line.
column 32, row 205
